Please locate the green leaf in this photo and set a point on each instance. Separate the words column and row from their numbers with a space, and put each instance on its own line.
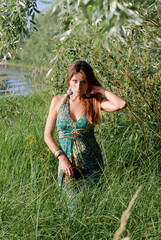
column 85, row 12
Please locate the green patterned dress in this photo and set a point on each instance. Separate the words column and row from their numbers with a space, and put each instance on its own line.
column 78, row 143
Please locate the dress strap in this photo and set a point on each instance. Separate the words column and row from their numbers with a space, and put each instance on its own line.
column 64, row 102
column 63, row 110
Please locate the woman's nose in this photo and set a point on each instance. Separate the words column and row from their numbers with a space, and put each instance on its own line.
column 78, row 85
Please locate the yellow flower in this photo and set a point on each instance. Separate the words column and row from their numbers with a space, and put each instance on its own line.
column 30, row 139
column 29, row 136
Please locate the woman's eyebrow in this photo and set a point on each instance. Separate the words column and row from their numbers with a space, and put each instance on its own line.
column 80, row 80
column 84, row 80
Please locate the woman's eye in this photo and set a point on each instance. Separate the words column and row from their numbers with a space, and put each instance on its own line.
column 74, row 81
column 83, row 82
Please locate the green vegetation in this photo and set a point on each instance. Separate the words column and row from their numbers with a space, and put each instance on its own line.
column 128, row 65
column 14, row 18
column 30, row 205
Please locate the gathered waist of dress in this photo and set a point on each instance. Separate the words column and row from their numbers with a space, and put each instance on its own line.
column 75, row 134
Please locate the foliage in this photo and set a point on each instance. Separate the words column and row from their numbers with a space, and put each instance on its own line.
column 30, row 200
column 14, row 19
column 38, row 48
column 130, row 68
column 130, row 139
column 110, row 18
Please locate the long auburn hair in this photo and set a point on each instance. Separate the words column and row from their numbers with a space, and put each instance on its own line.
column 92, row 104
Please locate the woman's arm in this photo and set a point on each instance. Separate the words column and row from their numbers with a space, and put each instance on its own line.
column 112, row 102
column 50, row 125
column 48, row 134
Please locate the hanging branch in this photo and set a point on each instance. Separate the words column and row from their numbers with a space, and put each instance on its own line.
column 149, row 20
column 141, row 130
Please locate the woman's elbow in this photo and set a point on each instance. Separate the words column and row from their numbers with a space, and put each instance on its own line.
column 46, row 138
column 123, row 105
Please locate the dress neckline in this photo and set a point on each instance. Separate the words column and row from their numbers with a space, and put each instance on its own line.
column 69, row 111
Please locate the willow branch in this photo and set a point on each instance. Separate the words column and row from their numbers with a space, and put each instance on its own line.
column 149, row 20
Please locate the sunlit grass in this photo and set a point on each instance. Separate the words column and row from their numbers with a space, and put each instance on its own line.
column 30, row 200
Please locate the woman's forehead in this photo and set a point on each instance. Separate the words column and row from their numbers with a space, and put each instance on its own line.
column 79, row 76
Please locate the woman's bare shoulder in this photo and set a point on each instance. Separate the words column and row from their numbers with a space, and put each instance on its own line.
column 57, row 101
column 58, row 98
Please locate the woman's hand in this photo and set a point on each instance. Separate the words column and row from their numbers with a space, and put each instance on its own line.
column 96, row 89
column 66, row 165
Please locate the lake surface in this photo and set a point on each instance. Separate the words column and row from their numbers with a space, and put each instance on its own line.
column 15, row 81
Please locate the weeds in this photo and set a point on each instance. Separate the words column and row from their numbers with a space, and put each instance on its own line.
column 30, row 200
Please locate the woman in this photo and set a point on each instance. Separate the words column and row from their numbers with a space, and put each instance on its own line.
column 76, row 114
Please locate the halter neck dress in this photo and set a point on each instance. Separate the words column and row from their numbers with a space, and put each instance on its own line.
column 78, row 143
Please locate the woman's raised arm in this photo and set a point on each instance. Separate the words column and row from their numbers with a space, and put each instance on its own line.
column 112, row 102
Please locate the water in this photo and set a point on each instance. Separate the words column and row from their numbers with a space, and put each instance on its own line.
column 15, row 81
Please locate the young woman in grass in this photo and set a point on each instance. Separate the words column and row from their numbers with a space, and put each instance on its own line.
column 76, row 114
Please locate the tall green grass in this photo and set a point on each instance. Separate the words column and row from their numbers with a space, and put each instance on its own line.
column 30, row 203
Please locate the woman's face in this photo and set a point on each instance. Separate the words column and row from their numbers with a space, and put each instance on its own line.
column 78, row 84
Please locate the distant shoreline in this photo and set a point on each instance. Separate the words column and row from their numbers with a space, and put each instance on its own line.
column 29, row 66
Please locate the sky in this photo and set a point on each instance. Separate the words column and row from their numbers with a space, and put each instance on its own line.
column 44, row 5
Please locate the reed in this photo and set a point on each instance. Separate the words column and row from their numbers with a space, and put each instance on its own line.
column 125, row 216
column 29, row 195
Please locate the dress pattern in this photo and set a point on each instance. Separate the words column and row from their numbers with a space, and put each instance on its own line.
column 78, row 143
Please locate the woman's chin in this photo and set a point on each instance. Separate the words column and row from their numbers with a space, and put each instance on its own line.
column 77, row 93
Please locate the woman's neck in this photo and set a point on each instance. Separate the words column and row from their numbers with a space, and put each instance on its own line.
column 76, row 98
